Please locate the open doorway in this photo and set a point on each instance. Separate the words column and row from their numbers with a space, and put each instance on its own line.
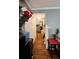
column 40, row 22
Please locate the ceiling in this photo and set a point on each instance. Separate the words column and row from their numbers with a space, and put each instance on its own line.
column 43, row 4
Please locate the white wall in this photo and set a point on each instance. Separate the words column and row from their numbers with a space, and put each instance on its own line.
column 28, row 27
column 46, row 36
column 53, row 21
column 33, row 27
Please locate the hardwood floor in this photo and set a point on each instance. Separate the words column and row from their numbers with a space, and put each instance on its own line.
column 39, row 51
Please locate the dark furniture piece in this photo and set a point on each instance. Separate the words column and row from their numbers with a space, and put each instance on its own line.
column 52, row 43
column 25, row 48
column 28, row 48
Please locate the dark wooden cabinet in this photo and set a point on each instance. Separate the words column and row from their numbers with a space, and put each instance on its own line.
column 28, row 49
column 25, row 48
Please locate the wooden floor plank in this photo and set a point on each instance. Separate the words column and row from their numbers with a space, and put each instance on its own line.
column 39, row 50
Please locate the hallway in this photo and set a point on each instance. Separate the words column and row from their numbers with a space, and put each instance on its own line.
column 39, row 51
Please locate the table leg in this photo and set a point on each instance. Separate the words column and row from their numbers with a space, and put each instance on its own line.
column 55, row 49
column 51, row 49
